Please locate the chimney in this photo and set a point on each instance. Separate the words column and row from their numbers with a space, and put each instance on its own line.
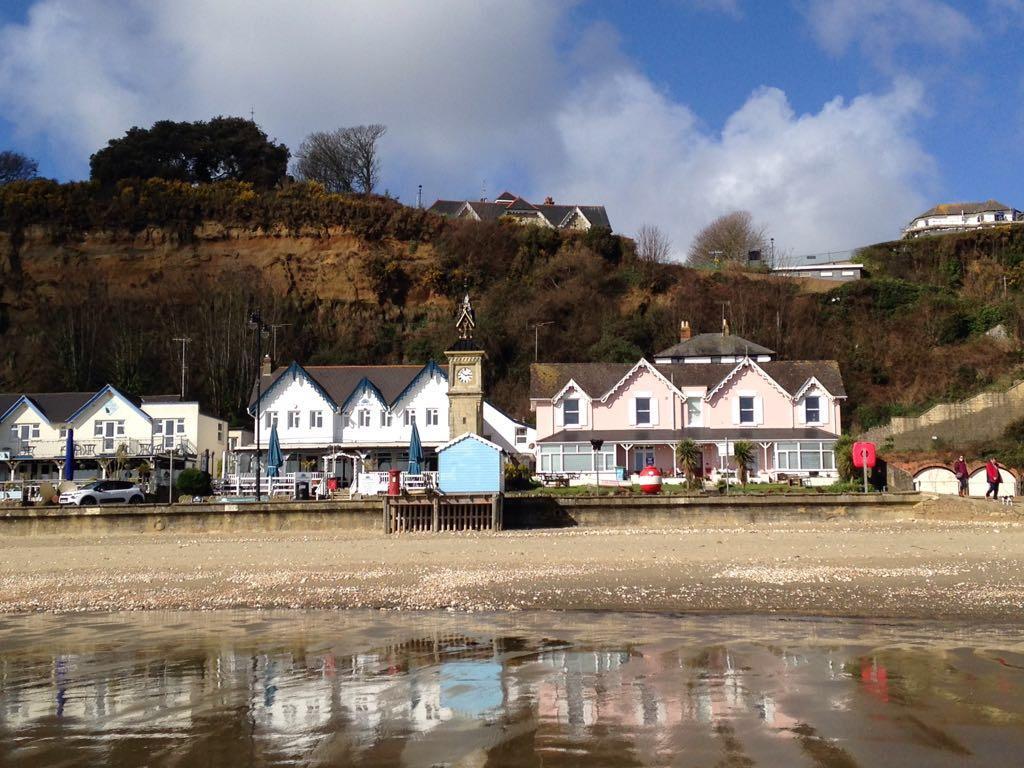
column 549, row 200
column 684, row 330
column 267, row 367
column 725, row 327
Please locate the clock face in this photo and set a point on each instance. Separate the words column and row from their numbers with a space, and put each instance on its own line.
column 465, row 375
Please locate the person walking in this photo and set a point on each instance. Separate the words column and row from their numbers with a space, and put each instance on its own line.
column 962, row 475
column 992, row 475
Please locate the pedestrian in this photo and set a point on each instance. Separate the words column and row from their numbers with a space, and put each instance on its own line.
column 992, row 475
column 962, row 475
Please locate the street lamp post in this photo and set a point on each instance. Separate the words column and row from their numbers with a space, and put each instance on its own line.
column 596, row 444
column 260, row 328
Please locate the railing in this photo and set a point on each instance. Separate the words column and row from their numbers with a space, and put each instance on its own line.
column 376, row 483
column 282, row 485
column 97, row 447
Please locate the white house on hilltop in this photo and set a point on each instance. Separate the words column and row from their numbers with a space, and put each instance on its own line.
column 962, row 217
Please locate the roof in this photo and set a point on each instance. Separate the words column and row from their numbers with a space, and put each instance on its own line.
column 469, row 436
column 340, row 381
column 698, row 434
column 58, row 407
column 492, row 211
column 161, row 399
column 595, row 379
column 822, row 265
column 952, row 209
column 715, row 345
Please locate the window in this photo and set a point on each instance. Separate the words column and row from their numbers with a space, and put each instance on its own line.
column 363, row 417
column 432, row 417
column 63, row 433
column 571, row 412
column 694, row 412
column 812, row 409
column 746, row 410
column 270, row 419
column 180, row 427
column 807, row 456
column 520, row 435
column 410, row 417
column 293, row 419
column 385, row 418
column 220, row 432
column 643, row 411
column 1000, row 216
column 576, row 457
column 25, row 431
column 316, row 419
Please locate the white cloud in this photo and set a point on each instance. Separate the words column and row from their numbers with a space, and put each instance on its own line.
column 880, row 27
column 844, row 176
column 470, row 91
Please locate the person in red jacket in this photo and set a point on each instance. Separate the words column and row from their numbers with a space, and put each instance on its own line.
column 962, row 474
column 992, row 475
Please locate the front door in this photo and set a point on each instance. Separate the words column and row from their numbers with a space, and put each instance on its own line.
column 108, row 437
column 643, row 456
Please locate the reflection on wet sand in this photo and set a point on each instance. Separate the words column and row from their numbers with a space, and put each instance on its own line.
column 425, row 690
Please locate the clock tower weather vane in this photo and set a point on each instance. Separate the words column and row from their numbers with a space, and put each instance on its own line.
column 465, row 375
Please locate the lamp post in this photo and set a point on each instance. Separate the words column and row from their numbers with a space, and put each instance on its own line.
column 256, row 324
column 597, row 472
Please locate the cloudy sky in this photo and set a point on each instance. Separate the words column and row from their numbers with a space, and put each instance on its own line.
column 832, row 121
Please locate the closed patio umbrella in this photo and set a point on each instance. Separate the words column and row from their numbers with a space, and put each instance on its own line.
column 69, row 457
column 274, row 458
column 415, row 452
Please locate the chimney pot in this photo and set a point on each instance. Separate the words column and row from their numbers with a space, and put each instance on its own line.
column 549, row 200
column 267, row 367
column 684, row 330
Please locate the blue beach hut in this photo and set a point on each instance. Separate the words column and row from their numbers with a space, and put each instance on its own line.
column 470, row 464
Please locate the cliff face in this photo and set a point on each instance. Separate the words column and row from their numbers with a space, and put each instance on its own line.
column 85, row 307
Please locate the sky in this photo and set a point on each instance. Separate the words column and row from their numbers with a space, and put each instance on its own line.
column 833, row 122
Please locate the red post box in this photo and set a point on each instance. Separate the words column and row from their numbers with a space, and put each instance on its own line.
column 394, row 482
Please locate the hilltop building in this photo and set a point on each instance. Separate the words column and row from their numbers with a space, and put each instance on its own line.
column 962, row 217
column 546, row 214
column 712, row 348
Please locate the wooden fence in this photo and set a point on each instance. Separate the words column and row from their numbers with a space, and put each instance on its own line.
column 438, row 513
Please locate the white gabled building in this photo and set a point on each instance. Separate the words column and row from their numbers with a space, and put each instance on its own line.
column 355, row 416
column 109, row 430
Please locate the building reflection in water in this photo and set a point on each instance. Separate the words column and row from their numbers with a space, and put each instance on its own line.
column 438, row 697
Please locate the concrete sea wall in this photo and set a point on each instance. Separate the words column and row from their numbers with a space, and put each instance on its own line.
column 519, row 512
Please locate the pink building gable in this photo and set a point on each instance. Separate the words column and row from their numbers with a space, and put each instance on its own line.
column 772, row 406
column 618, row 412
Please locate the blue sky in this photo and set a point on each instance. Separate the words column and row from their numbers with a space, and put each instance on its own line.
column 832, row 121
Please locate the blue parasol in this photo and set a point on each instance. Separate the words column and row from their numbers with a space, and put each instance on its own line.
column 415, row 452
column 69, row 457
column 274, row 458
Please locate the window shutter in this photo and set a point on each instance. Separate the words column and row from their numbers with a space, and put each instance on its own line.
column 583, row 412
column 823, row 408
column 559, row 418
column 654, row 411
column 758, row 410
column 632, row 411
column 801, row 412
column 736, row 410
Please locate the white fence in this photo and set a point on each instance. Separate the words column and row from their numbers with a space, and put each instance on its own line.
column 282, row 485
column 376, row 483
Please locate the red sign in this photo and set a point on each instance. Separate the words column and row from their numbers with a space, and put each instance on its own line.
column 864, row 455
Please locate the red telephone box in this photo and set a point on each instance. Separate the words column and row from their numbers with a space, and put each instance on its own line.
column 864, row 455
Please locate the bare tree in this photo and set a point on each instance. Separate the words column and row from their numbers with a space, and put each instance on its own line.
column 727, row 239
column 652, row 245
column 15, row 166
column 324, row 157
column 361, row 145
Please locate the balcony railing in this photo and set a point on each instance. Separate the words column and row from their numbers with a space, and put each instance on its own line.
column 96, row 447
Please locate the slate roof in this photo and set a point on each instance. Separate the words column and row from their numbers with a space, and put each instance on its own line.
column 492, row 211
column 952, row 209
column 715, row 345
column 56, row 406
column 548, row 379
column 340, row 381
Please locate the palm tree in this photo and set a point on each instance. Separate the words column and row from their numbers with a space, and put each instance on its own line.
column 743, row 452
column 690, row 458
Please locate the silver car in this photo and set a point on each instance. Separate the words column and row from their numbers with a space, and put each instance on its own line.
column 104, row 492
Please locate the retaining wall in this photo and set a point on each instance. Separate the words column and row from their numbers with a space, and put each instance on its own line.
column 518, row 512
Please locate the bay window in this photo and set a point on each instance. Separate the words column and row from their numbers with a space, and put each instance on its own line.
column 805, row 456
column 576, row 457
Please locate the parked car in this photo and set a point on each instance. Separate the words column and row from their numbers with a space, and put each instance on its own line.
column 104, row 492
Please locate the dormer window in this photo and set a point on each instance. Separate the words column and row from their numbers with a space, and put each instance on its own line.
column 364, row 417
column 643, row 411
column 571, row 412
column 812, row 409
column 746, row 410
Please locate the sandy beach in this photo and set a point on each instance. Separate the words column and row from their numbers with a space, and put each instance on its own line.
column 911, row 569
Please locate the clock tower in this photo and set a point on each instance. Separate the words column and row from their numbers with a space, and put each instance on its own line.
column 465, row 377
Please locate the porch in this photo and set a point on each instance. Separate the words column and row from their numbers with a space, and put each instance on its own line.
column 95, row 458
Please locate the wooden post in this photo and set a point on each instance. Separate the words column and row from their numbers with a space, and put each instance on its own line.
column 496, row 512
column 387, row 516
column 435, row 513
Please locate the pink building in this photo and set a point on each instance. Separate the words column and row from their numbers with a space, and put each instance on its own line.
column 790, row 410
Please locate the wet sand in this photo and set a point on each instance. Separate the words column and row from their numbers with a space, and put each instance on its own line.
column 908, row 569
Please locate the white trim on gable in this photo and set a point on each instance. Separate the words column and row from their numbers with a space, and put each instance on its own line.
column 812, row 382
column 642, row 362
column 744, row 363
column 27, row 402
column 470, row 436
column 571, row 384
